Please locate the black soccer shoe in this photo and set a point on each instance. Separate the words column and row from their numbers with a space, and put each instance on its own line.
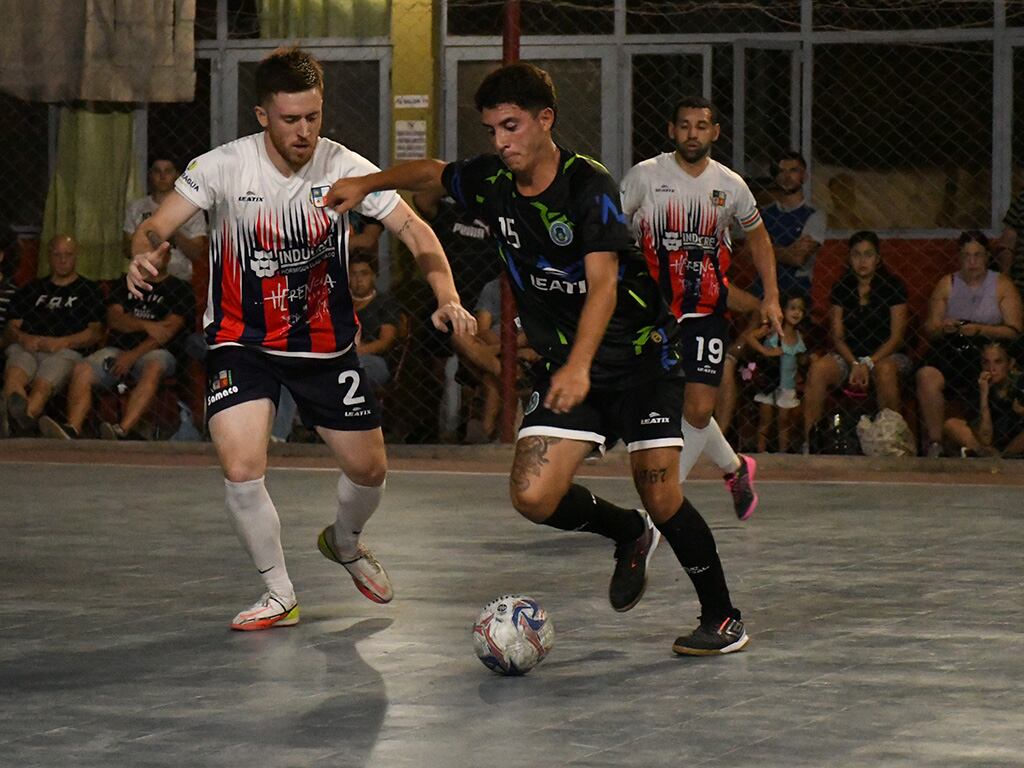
column 725, row 636
column 629, row 580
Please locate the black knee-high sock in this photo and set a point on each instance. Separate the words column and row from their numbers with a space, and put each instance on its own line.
column 694, row 545
column 580, row 510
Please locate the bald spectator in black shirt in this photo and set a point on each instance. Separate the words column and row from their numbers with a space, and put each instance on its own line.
column 52, row 321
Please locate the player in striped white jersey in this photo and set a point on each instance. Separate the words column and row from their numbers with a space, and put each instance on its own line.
column 280, row 314
column 682, row 205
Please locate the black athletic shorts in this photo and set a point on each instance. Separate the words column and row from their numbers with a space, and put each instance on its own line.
column 645, row 416
column 331, row 392
column 704, row 343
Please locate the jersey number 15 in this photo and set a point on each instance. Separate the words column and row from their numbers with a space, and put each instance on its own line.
column 508, row 230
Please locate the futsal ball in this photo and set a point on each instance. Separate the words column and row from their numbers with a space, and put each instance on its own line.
column 513, row 635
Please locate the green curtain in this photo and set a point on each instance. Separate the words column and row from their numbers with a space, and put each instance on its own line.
column 293, row 19
column 95, row 175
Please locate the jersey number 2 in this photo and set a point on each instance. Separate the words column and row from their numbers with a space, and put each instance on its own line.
column 352, row 379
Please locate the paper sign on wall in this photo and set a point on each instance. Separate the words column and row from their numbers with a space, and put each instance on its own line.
column 412, row 101
column 410, row 139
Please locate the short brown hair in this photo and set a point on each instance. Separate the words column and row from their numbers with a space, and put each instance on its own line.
column 522, row 84
column 288, row 70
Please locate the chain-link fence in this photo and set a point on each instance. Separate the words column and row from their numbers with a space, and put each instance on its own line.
column 897, row 118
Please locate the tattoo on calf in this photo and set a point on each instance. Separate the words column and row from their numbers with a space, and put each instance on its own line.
column 531, row 455
column 649, row 476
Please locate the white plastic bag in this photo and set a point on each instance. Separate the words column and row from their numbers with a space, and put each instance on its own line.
column 886, row 435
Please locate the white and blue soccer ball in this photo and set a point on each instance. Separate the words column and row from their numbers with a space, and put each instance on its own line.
column 513, row 634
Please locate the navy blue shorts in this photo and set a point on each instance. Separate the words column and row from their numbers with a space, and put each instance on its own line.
column 331, row 392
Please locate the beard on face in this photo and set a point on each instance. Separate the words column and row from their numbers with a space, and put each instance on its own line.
column 693, row 155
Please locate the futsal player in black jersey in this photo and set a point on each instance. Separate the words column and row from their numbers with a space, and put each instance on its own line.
column 610, row 364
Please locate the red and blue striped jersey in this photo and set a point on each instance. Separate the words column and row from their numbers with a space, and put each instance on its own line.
column 278, row 257
column 681, row 224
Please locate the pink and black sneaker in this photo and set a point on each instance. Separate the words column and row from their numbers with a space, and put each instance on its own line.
column 741, row 485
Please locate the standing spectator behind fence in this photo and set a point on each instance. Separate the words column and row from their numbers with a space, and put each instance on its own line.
column 52, row 320
column 379, row 318
column 190, row 242
column 998, row 424
column 967, row 308
column 146, row 340
column 868, row 323
column 796, row 228
column 787, row 353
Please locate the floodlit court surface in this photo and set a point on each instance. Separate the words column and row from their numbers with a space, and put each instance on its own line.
column 885, row 619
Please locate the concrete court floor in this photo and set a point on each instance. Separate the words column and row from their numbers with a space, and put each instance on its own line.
column 885, row 621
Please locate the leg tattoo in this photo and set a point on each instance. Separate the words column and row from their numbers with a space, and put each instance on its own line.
column 531, row 455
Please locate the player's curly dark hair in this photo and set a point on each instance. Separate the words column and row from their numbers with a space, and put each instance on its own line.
column 522, row 84
column 288, row 70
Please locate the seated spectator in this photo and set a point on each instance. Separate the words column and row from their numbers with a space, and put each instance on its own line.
column 190, row 242
column 7, row 287
column 967, row 309
column 868, row 322
column 379, row 317
column 482, row 355
column 473, row 255
column 787, row 353
column 52, row 321
column 998, row 423
column 146, row 339
column 364, row 236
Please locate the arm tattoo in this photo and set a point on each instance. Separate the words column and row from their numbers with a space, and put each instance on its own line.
column 531, row 455
column 405, row 225
column 649, row 476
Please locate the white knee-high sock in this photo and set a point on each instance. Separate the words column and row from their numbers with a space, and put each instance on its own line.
column 356, row 503
column 718, row 449
column 259, row 529
column 693, row 445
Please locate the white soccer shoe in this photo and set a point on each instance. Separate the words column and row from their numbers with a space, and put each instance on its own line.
column 366, row 571
column 269, row 611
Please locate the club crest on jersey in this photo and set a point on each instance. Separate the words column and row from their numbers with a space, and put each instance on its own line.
column 718, row 198
column 317, row 195
column 561, row 233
